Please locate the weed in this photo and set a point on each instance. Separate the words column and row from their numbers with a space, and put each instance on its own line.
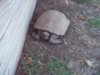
column 94, row 22
column 87, row 1
column 30, row 69
column 58, row 67
column 55, row 66
column 98, row 73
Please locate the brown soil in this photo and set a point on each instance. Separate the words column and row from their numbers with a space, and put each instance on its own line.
column 80, row 41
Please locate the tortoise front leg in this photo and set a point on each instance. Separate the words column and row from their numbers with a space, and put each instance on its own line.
column 45, row 35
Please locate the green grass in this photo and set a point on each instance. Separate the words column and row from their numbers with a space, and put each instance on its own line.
column 58, row 67
column 91, row 1
column 94, row 22
column 98, row 73
column 55, row 67
column 88, row 1
column 95, row 1
column 30, row 69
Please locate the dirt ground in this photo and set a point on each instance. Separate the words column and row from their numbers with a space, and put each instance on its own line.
column 81, row 47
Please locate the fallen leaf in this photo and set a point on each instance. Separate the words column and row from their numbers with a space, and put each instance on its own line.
column 29, row 60
column 40, row 63
column 82, row 17
column 89, row 63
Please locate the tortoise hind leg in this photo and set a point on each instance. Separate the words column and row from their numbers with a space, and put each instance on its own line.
column 54, row 39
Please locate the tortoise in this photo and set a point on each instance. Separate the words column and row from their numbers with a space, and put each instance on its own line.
column 50, row 26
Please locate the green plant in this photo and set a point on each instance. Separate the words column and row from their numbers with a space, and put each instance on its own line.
column 95, row 1
column 87, row 1
column 58, row 67
column 90, row 1
column 98, row 73
column 55, row 66
column 94, row 22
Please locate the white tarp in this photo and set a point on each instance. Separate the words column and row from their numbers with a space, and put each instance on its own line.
column 15, row 16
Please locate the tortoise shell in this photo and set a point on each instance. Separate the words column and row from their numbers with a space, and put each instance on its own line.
column 53, row 21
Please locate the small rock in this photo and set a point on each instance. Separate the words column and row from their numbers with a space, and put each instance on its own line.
column 89, row 63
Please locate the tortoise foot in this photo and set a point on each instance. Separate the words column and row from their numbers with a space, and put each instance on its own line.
column 55, row 40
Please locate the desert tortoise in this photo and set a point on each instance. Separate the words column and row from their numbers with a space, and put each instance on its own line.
column 50, row 26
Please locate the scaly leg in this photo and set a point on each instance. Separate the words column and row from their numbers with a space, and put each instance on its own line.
column 54, row 39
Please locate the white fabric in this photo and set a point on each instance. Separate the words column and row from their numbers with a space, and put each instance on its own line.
column 15, row 16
